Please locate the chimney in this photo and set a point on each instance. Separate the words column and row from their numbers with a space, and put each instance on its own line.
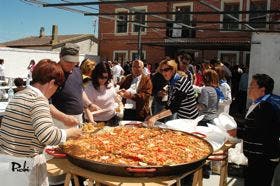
column 42, row 32
column 54, row 34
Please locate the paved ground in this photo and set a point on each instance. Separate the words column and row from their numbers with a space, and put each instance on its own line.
column 231, row 181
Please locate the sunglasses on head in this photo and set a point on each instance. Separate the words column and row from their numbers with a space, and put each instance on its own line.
column 165, row 69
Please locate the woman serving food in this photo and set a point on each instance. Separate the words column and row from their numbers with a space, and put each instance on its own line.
column 27, row 127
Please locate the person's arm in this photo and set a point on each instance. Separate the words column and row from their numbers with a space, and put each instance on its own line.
column 118, row 100
column 68, row 120
column 88, row 104
column 202, row 101
column 89, row 115
column 162, row 114
column 120, row 109
column 44, row 129
column 144, row 93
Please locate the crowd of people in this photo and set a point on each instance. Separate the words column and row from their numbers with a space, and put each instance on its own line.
column 64, row 95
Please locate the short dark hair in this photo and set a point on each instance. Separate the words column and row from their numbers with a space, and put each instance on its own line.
column 46, row 70
column 18, row 82
column 186, row 56
column 264, row 80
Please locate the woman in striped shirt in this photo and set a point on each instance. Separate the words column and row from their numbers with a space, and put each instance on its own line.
column 181, row 96
column 27, row 125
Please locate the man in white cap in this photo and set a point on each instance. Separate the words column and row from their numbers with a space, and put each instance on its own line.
column 68, row 103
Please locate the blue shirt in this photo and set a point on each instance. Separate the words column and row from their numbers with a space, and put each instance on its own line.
column 68, row 98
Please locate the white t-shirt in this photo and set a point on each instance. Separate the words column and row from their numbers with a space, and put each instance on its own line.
column 224, row 105
column 130, row 104
column 117, row 72
column 146, row 71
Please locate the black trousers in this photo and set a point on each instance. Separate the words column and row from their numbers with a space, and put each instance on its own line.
column 259, row 171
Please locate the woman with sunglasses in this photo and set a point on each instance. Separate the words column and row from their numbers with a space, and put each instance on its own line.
column 27, row 127
column 181, row 97
column 101, row 92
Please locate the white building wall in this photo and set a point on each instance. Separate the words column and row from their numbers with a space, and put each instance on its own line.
column 86, row 47
column 265, row 57
column 17, row 60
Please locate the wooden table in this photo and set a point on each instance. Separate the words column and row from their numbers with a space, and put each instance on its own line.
column 61, row 166
column 219, row 155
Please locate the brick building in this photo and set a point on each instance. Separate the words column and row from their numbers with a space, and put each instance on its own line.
column 204, row 36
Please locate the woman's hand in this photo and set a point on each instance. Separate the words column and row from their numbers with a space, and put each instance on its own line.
column 150, row 121
column 92, row 107
column 70, row 121
column 125, row 94
column 161, row 93
column 73, row 132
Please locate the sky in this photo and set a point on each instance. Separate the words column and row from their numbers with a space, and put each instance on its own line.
column 19, row 19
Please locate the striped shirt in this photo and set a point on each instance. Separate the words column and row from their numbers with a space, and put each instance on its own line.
column 27, row 125
column 182, row 99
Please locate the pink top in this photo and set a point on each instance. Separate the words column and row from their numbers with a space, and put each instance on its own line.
column 105, row 99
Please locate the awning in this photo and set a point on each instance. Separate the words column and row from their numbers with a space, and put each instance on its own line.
column 201, row 44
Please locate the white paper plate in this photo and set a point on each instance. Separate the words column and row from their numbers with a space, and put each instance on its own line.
column 128, row 122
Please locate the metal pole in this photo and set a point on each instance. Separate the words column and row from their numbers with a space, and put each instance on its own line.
column 139, row 43
column 106, row 2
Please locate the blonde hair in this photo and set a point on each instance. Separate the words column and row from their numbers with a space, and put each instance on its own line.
column 171, row 63
column 87, row 66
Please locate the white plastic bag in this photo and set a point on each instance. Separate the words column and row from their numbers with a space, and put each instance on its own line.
column 214, row 135
column 185, row 125
column 225, row 121
column 235, row 155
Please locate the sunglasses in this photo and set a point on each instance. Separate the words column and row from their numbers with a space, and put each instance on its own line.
column 185, row 62
column 165, row 69
column 103, row 77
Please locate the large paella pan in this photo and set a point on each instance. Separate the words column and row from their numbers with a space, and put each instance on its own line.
column 138, row 151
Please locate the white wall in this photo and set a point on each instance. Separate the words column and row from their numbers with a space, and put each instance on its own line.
column 265, row 57
column 17, row 60
column 86, row 47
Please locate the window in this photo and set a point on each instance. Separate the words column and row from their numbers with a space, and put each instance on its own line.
column 134, row 55
column 120, row 56
column 182, row 17
column 230, row 57
column 256, row 19
column 139, row 18
column 121, row 22
column 230, row 24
